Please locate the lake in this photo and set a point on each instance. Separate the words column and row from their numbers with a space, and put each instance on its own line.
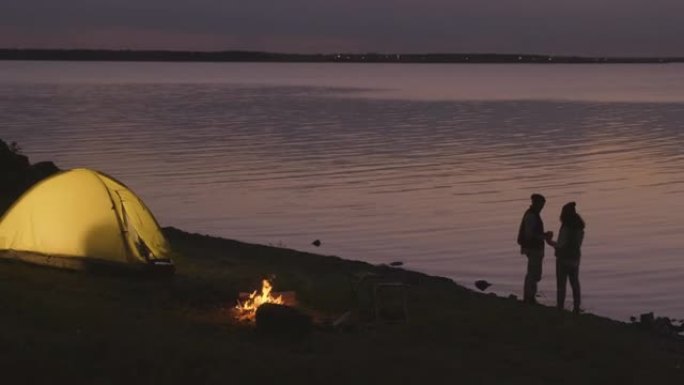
column 432, row 165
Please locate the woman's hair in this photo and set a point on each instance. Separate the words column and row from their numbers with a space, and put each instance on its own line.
column 569, row 217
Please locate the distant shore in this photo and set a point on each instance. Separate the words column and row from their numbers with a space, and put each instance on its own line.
column 256, row 57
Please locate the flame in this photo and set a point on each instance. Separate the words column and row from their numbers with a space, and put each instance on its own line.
column 246, row 311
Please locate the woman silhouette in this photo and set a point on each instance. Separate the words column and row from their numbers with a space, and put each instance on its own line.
column 568, row 253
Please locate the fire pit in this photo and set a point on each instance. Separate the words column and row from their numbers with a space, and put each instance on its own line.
column 273, row 313
column 248, row 303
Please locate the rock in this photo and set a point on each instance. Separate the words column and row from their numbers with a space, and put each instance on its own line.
column 482, row 285
column 646, row 319
column 396, row 263
column 282, row 320
column 42, row 170
column 17, row 175
column 316, row 243
column 663, row 326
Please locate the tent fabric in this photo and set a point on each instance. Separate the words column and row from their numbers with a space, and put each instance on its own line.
column 84, row 214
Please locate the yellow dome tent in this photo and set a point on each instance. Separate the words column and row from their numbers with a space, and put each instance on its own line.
column 82, row 218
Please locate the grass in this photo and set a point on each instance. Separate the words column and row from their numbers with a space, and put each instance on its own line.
column 69, row 327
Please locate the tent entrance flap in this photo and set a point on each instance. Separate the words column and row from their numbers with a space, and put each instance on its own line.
column 130, row 224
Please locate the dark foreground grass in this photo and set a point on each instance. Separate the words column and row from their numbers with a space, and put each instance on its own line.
column 68, row 327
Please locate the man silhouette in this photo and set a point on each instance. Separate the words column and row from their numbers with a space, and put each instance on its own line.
column 531, row 238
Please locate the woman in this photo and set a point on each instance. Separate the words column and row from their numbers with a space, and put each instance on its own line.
column 568, row 254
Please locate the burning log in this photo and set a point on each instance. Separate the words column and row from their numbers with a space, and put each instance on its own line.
column 249, row 303
column 289, row 298
column 282, row 320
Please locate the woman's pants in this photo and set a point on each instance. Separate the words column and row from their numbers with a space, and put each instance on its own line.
column 568, row 270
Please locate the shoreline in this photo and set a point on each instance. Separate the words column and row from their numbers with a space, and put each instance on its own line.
column 32, row 173
column 182, row 329
column 632, row 317
column 61, row 326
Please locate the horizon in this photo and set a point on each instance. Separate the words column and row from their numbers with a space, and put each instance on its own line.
column 332, row 53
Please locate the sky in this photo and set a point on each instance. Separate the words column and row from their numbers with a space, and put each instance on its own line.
column 556, row 27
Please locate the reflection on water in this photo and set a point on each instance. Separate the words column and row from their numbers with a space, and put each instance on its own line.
column 440, row 185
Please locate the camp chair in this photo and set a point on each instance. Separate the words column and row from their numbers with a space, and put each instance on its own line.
column 383, row 295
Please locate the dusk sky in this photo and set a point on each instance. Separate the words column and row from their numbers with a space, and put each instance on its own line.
column 558, row 27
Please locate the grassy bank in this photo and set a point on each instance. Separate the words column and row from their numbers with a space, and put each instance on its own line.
column 58, row 326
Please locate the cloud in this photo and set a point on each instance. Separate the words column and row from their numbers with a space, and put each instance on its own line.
column 608, row 27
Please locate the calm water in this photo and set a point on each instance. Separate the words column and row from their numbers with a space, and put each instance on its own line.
column 432, row 165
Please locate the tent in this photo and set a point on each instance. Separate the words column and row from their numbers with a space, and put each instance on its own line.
column 82, row 218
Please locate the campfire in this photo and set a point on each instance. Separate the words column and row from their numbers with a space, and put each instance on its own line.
column 246, row 310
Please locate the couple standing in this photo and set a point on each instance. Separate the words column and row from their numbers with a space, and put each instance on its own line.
column 532, row 237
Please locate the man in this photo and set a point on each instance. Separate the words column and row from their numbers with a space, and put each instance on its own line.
column 531, row 238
